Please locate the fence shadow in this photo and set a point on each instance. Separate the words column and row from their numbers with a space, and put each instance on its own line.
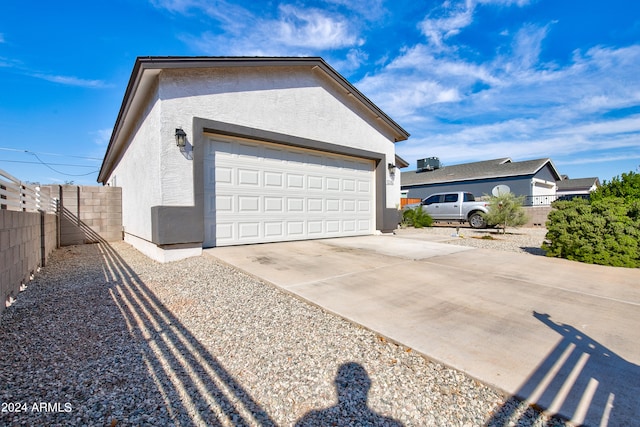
column 352, row 388
column 178, row 363
column 580, row 380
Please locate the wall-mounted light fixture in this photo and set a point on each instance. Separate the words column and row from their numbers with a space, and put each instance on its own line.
column 181, row 138
column 392, row 168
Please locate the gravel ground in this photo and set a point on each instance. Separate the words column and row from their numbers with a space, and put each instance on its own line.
column 523, row 240
column 105, row 336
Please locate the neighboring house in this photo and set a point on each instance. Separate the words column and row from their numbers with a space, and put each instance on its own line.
column 535, row 179
column 275, row 149
column 577, row 187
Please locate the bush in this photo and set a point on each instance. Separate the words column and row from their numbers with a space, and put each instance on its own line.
column 416, row 217
column 506, row 210
column 603, row 230
column 627, row 187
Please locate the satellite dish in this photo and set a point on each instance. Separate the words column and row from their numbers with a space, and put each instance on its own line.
column 500, row 189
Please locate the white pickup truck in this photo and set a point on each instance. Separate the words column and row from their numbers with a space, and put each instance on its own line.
column 455, row 207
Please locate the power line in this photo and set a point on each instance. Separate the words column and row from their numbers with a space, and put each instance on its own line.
column 48, row 154
column 57, row 171
column 54, row 164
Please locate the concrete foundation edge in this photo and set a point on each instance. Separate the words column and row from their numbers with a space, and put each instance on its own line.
column 166, row 253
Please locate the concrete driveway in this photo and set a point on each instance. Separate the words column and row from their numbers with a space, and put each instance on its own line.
column 563, row 335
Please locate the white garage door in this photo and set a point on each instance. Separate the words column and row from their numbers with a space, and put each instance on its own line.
column 263, row 192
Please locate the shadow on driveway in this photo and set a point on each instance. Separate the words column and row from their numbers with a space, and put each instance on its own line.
column 579, row 377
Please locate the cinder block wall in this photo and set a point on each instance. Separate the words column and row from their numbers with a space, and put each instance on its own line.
column 89, row 214
column 26, row 241
column 537, row 215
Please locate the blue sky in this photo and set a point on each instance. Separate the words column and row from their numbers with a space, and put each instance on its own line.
column 470, row 80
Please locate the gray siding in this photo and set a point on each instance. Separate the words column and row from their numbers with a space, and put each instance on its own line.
column 546, row 174
column 520, row 186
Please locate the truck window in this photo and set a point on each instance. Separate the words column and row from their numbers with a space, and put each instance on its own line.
column 468, row 197
column 431, row 200
column 451, row 198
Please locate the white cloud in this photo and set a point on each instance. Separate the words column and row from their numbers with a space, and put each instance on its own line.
column 293, row 31
column 353, row 60
column 599, row 159
column 449, row 24
column 523, row 108
column 2, row 38
column 70, row 80
column 311, row 28
column 527, row 46
column 102, row 136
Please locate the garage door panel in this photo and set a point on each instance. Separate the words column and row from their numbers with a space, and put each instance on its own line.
column 250, row 204
column 248, row 230
column 333, row 226
column 314, row 205
column 274, row 204
column 314, row 183
column 248, row 177
column 266, row 192
column 333, row 184
column 221, row 175
column 295, row 228
column 223, row 203
column 364, row 186
column 349, row 205
column 295, row 204
column 314, row 227
column 295, row 181
column 364, row 206
column 349, row 226
column 274, row 229
column 224, row 231
column 364, row 225
column 348, row 185
column 273, row 179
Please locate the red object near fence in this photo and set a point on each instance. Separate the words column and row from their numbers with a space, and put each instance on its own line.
column 404, row 202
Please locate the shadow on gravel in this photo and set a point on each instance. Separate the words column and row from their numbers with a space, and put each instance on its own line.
column 195, row 388
column 533, row 250
column 352, row 387
column 179, row 364
column 580, row 380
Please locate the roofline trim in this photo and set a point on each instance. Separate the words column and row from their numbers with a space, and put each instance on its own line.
column 147, row 63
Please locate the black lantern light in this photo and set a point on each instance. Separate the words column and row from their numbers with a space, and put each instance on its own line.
column 181, row 138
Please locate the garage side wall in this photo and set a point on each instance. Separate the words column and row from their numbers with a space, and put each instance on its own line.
column 292, row 101
column 138, row 173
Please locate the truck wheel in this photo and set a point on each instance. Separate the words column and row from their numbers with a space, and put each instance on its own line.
column 477, row 221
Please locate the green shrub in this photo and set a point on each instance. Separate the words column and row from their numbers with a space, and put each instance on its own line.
column 505, row 211
column 416, row 217
column 626, row 187
column 604, row 230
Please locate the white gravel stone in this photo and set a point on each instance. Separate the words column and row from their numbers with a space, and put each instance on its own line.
column 114, row 338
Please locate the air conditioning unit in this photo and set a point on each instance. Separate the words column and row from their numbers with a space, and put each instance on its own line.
column 428, row 164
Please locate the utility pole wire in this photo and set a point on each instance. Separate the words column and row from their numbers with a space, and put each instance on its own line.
column 48, row 154
column 57, row 171
column 52, row 164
